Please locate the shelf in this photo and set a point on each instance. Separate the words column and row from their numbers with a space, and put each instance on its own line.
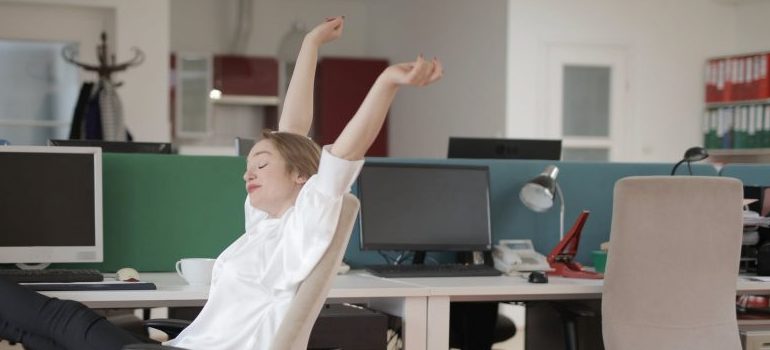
column 244, row 100
column 750, row 155
column 739, row 152
column 738, row 103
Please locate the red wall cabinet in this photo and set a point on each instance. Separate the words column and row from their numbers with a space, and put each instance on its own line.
column 341, row 86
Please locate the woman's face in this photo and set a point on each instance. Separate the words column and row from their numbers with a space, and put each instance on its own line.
column 270, row 186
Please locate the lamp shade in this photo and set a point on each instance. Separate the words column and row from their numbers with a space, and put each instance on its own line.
column 695, row 154
column 538, row 194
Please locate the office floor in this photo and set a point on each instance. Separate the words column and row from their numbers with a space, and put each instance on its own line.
column 5, row 346
column 516, row 313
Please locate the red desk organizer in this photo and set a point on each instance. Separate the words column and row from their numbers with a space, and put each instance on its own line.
column 562, row 258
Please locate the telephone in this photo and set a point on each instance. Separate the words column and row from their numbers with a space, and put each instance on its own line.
column 514, row 255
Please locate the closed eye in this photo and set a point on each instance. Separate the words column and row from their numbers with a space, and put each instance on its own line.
column 261, row 166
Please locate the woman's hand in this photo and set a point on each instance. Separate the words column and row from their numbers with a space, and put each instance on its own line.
column 327, row 31
column 417, row 73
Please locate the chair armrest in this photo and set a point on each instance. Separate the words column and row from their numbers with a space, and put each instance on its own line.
column 170, row 326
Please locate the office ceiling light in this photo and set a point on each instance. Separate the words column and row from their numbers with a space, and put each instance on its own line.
column 693, row 154
column 539, row 194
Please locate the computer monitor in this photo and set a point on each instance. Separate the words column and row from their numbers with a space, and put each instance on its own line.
column 488, row 148
column 424, row 207
column 116, row 146
column 50, row 204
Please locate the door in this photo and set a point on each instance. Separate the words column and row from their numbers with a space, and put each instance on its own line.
column 586, row 100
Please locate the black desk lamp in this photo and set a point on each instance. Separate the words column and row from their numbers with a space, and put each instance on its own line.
column 693, row 154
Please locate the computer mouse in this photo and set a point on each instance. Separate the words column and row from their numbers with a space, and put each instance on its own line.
column 537, row 277
column 127, row 274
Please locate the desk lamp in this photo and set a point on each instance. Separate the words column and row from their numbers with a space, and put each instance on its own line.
column 538, row 195
column 693, row 154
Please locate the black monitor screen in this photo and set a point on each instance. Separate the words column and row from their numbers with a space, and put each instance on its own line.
column 46, row 199
column 424, row 207
column 117, row 147
column 462, row 147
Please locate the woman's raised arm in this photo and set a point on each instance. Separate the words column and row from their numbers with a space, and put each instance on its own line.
column 297, row 113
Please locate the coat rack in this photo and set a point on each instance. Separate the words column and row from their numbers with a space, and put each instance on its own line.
column 106, row 66
column 99, row 113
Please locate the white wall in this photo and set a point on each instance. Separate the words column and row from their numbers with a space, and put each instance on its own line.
column 667, row 41
column 469, row 37
column 753, row 26
column 208, row 25
column 135, row 23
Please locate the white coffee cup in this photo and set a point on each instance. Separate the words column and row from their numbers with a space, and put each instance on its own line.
column 196, row 271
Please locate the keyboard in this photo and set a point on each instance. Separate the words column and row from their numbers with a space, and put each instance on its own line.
column 51, row 275
column 439, row 270
column 90, row 286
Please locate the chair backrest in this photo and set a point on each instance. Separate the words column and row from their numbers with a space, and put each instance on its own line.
column 294, row 331
column 672, row 266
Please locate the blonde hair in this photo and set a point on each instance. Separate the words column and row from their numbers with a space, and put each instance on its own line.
column 301, row 153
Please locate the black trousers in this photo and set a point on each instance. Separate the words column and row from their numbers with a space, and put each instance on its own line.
column 42, row 323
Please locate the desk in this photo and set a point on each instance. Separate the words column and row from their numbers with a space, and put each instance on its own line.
column 504, row 288
column 395, row 297
column 423, row 303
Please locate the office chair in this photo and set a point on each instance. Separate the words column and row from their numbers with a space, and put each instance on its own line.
column 673, row 264
column 294, row 331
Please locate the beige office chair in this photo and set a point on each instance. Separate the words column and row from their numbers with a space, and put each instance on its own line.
column 294, row 331
column 673, row 264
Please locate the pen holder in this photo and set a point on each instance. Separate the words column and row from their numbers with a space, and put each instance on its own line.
column 599, row 258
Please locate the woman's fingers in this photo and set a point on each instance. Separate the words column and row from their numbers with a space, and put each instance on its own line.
column 437, row 73
column 413, row 72
column 420, row 72
column 329, row 30
column 425, row 72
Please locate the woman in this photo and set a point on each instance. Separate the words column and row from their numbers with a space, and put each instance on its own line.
column 292, row 207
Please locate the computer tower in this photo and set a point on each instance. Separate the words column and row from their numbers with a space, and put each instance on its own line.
column 344, row 326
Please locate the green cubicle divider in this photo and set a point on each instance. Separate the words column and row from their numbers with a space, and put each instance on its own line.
column 750, row 174
column 585, row 185
column 160, row 208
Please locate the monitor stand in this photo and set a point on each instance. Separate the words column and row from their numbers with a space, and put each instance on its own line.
column 27, row 266
column 419, row 257
column 475, row 257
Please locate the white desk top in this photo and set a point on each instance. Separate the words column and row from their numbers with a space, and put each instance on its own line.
column 173, row 291
column 509, row 287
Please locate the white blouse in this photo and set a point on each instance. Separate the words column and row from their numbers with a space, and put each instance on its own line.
column 255, row 278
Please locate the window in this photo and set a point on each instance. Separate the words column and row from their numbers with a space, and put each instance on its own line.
column 38, row 92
